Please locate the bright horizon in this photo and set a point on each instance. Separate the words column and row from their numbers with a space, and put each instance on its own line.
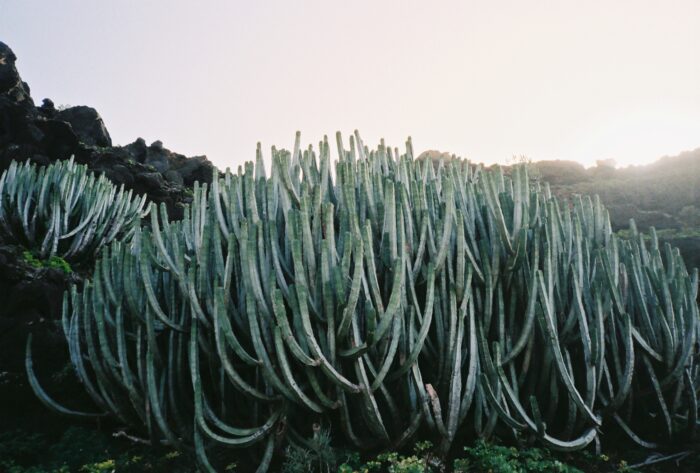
column 483, row 80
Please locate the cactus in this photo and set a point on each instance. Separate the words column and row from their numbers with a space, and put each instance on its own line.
column 389, row 299
column 64, row 210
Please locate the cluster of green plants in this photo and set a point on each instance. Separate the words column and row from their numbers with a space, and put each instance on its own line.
column 85, row 450
column 63, row 210
column 384, row 297
column 54, row 262
column 479, row 458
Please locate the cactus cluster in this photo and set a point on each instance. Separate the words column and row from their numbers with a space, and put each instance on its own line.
column 64, row 210
column 386, row 298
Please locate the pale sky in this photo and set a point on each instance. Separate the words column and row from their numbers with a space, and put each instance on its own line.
column 579, row 80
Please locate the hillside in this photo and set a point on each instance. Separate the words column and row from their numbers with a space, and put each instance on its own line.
column 664, row 195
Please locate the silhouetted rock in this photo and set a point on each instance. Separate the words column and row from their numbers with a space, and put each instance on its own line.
column 45, row 134
column 87, row 124
column 10, row 82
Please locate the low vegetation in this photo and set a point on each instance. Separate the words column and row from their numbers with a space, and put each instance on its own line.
column 54, row 262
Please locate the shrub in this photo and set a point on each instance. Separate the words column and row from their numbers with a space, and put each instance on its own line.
column 499, row 459
column 63, row 210
column 387, row 298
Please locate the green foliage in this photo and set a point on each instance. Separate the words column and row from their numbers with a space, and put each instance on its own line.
column 317, row 455
column 393, row 462
column 690, row 216
column 482, row 457
column 63, row 210
column 661, row 194
column 57, row 262
column 387, row 298
column 499, row 459
column 54, row 262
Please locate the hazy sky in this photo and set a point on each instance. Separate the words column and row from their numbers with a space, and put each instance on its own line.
column 580, row 80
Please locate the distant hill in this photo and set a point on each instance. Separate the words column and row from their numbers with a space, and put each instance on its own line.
column 664, row 195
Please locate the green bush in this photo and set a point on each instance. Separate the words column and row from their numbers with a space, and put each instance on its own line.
column 499, row 459
column 63, row 210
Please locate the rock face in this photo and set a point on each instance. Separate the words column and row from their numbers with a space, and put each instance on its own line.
column 45, row 134
column 87, row 124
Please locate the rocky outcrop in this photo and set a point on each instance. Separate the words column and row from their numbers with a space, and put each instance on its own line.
column 30, row 296
column 44, row 134
column 87, row 124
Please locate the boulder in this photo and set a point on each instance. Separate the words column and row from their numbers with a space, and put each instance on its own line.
column 87, row 125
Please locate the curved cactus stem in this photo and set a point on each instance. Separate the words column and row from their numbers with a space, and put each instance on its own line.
column 154, row 395
column 266, row 367
column 358, row 274
column 625, row 377
column 424, row 328
column 472, row 371
column 127, row 378
column 201, row 453
column 244, row 436
column 41, row 394
column 286, row 331
column 546, row 318
column 152, row 299
column 223, row 324
column 328, row 369
column 638, row 440
column 391, row 354
column 410, row 431
column 394, row 302
column 289, row 376
column 231, row 372
column 267, row 456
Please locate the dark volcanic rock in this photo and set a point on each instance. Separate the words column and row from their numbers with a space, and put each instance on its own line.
column 87, row 124
column 44, row 134
column 10, row 82
column 166, row 162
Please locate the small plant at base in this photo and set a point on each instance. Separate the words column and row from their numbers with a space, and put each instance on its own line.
column 320, row 456
column 54, row 262
column 99, row 467
column 32, row 260
column 499, row 459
